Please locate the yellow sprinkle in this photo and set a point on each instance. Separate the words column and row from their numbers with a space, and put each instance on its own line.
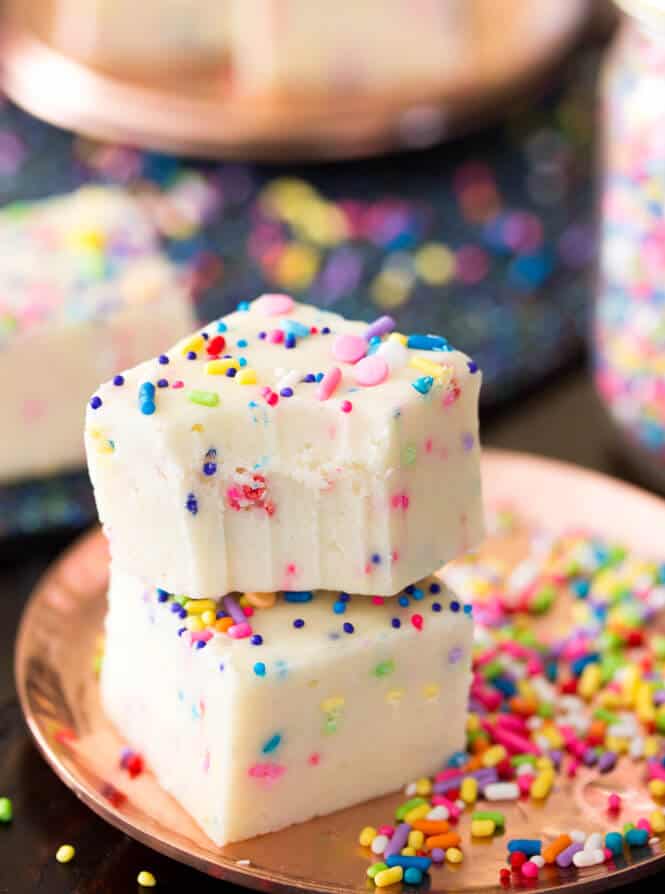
column 542, row 784
column 408, row 852
column 469, row 790
column 614, row 743
column 656, row 788
column 657, row 822
column 146, row 879
column 644, row 706
column 483, row 828
column 431, row 691
column 219, row 367
column 90, row 240
column 246, row 376
column 423, row 786
column 195, row 343
column 441, row 373
column 544, row 763
column 334, row 703
column 389, row 877
column 198, row 606
column 494, row 756
column 197, row 427
column 454, row 855
column 367, row 835
column 630, row 684
column 417, row 813
column 394, row 696
column 651, row 746
column 399, row 337
column 590, row 681
column 416, row 839
column 208, row 618
column 472, row 723
column 65, row 853
column 194, row 624
column 261, row 600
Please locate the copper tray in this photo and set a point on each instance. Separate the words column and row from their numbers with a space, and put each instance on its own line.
column 58, row 691
column 202, row 113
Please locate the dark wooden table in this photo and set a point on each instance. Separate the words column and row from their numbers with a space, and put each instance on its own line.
column 561, row 420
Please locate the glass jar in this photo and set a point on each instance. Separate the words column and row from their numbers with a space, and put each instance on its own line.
column 629, row 322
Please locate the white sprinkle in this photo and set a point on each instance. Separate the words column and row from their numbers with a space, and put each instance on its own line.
column 589, row 858
column 525, row 770
column 243, row 863
column 288, row 380
column 410, row 790
column 538, row 860
column 578, row 836
column 440, row 812
column 501, row 791
column 379, row 844
column 593, row 842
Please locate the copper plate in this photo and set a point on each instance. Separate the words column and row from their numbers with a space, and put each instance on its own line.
column 203, row 113
column 58, row 690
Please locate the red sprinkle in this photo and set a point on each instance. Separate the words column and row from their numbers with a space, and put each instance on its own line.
column 346, row 406
column 216, row 345
column 417, row 621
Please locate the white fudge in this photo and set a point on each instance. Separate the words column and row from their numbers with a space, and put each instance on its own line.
column 224, row 465
column 253, row 730
column 84, row 291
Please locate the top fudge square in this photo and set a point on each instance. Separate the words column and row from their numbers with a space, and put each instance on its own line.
column 284, row 447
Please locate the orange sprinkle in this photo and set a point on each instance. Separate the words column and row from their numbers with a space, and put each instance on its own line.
column 523, row 706
column 223, row 624
column 554, row 848
column 480, row 744
column 431, row 827
column 476, row 761
column 450, row 839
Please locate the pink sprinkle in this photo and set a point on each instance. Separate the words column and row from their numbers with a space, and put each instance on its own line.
column 240, row 631
column 178, row 384
column 291, row 569
column 274, row 305
column 571, row 769
column 643, row 823
column 266, row 390
column 329, row 383
column 386, row 830
column 524, row 782
column 614, row 802
column 529, row 869
column 248, row 610
column 275, row 336
column 269, row 771
column 200, row 636
column 371, row 371
column 349, row 348
column 452, row 808
column 314, row 759
column 272, row 399
column 514, row 743
column 346, row 406
column 378, row 600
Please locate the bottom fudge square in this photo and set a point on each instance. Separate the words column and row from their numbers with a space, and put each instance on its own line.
column 257, row 711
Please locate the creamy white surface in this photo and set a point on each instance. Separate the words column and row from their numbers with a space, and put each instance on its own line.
column 347, row 732
column 366, row 501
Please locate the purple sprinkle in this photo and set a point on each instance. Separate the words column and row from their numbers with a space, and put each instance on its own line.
column 435, row 588
column 232, row 608
column 209, row 468
column 262, row 335
column 95, row 402
column 468, row 441
column 230, row 372
column 437, row 854
column 589, row 757
column 396, row 623
column 398, row 840
column 191, row 355
column 455, row 654
column 286, row 392
column 473, row 366
column 256, row 640
column 192, row 504
column 379, row 327
column 484, row 777
column 556, row 756
column 163, row 359
column 348, row 627
column 298, row 623
column 325, row 330
column 200, row 643
column 118, row 380
column 162, row 383
column 436, row 606
column 310, row 377
column 565, row 858
column 607, row 761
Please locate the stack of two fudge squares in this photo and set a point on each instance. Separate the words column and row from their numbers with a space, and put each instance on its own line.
column 277, row 491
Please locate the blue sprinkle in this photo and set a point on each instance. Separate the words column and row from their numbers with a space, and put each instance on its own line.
column 181, row 630
column 241, row 343
column 290, row 340
column 262, row 335
column 348, row 627
column 162, row 383
column 468, row 608
column 436, row 606
column 118, row 380
column 191, row 355
column 243, row 305
column 396, row 623
column 95, row 402
column 205, row 336
column 221, row 326
column 637, row 837
column 272, row 743
column 403, row 601
column 457, row 759
column 418, row 594
column 325, row 330
column 192, row 504
column 454, row 606
column 423, row 385
column 286, row 392
column 319, row 376
column 580, row 588
column 344, row 597
column 473, row 366
column 260, row 669
column 298, row 595
column 200, row 643
column 410, row 589
column 256, row 640
column 209, row 468
column 163, row 359
column 376, row 559
column 579, row 664
column 427, row 342
column 221, row 666
column 339, row 607
column 162, row 595
column 435, row 588
column 413, row 875
column 298, row 623
column 182, row 614
column 294, row 328
column 147, row 398
column 310, row 377
column 529, row 846
column 220, row 613
column 176, row 608
column 231, row 372
column 242, row 361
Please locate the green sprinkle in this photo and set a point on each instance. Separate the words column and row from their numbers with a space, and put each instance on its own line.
column 375, row 869
column 409, row 453
column 542, row 601
column 403, row 809
column 519, row 759
column 660, row 721
column 492, row 669
column 6, row 810
column 546, row 709
column 384, row 668
column 605, row 715
column 204, row 398
column 658, row 645
column 496, row 816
